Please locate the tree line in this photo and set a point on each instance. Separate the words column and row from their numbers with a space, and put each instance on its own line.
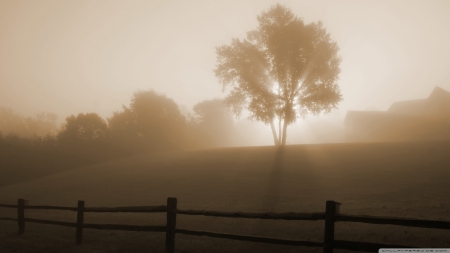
column 152, row 122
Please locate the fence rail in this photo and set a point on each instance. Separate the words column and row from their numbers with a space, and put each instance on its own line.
column 270, row 216
column 131, row 209
column 394, row 221
column 250, row 238
column 331, row 216
column 96, row 226
column 51, row 222
column 8, row 206
column 126, row 227
column 363, row 246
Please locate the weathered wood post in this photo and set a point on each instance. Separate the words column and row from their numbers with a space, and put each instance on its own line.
column 80, row 220
column 332, row 208
column 171, row 223
column 21, row 215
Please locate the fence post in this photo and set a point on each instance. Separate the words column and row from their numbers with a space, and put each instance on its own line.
column 21, row 215
column 171, row 223
column 332, row 208
column 80, row 220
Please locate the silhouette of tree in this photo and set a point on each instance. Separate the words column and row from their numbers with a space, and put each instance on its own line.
column 283, row 70
column 41, row 125
column 81, row 141
column 214, row 122
column 152, row 121
column 122, row 127
column 83, row 128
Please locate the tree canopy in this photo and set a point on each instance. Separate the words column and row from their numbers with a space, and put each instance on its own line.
column 283, row 70
column 214, row 123
column 84, row 127
column 152, row 121
column 13, row 123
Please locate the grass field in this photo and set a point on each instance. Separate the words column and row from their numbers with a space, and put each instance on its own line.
column 384, row 179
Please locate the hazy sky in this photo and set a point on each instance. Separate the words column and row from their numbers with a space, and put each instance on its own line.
column 68, row 57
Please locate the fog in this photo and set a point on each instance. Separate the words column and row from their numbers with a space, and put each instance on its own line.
column 70, row 57
column 290, row 114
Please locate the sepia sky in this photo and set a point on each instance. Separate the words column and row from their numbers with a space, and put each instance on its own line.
column 68, row 57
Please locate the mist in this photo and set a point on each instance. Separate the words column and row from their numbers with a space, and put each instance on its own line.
column 81, row 57
column 238, row 126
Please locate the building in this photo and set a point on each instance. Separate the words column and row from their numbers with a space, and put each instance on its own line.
column 412, row 120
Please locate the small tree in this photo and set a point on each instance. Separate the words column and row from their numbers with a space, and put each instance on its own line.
column 152, row 121
column 214, row 123
column 29, row 127
column 283, row 70
column 83, row 128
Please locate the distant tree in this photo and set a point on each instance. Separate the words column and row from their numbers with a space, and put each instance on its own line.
column 152, row 121
column 27, row 127
column 283, row 70
column 214, row 122
column 83, row 128
column 42, row 124
column 11, row 122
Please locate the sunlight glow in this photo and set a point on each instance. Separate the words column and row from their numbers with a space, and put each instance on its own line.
column 275, row 88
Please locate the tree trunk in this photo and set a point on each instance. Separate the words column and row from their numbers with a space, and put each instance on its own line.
column 274, row 132
column 284, row 133
column 279, row 128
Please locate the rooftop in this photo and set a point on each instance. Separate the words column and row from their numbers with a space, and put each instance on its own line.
column 437, row 103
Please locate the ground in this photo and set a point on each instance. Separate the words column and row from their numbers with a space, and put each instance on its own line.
column 383, row 179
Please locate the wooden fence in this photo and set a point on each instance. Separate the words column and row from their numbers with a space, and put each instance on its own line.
column 331, row 216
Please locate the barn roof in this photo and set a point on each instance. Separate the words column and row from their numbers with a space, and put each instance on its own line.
column 438, row 102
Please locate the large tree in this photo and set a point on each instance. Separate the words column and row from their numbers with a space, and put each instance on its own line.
column 282, row 71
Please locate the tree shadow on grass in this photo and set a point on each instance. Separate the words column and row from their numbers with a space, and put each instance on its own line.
column 272, row 194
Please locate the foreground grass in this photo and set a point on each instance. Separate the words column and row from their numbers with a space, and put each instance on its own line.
column 386, row 179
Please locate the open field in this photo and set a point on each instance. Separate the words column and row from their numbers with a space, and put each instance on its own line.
column 383, row 179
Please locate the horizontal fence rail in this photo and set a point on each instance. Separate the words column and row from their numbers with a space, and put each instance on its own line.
column 250, row 238
column 51, row 222
column 330, row 216
column 8, row 206
column 96, row 226
column 394, row 221
column 7, row 218
column 126, row 227
column 364, row 246
column 129, row 209
column 61, row 208
column 270, row 216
